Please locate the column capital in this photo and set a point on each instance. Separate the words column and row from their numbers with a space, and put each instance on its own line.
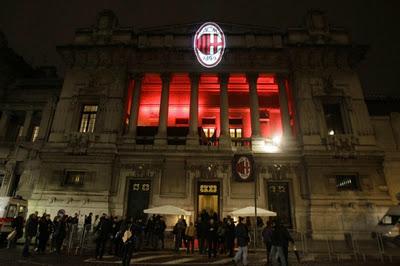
column 137, row 75
column 252, row 77
column 280, row 77
column 223, row 78
column 194, row 76
column 165, row 76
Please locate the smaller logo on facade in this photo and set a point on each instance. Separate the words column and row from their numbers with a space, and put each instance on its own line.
column 243, row 167
column 209, row 44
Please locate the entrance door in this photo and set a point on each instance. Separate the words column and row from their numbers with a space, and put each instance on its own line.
column 138, row 198
column 279, row 201
column 208, row 197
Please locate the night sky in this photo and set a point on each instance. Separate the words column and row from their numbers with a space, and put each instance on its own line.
column 34, row 27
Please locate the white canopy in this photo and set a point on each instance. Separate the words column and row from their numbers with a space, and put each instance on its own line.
column 250, row 211
column 167, row 210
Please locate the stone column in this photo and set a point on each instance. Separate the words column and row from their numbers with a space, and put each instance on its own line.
column 257, row 142
column 284, row 107
column 254, row 107
column 161, row 137
column 5, row 119
column 193, row 136
column 27, row 125
column 133, row 118
column 47, row 118
column 224, row 136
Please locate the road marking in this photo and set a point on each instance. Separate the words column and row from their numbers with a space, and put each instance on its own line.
column 150, row 258
column 221, row 261
column 183, row 260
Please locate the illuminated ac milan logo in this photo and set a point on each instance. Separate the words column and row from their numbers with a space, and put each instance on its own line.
column 209, row 44
column 243, row 167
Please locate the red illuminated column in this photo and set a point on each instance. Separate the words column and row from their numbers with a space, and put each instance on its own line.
column 224, row 137
column 254, row 109
column 193, row 137
column 161, row 138
column 135, row 105
column 283, row 103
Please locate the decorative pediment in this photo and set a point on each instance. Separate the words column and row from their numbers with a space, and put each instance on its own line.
column 228, row 28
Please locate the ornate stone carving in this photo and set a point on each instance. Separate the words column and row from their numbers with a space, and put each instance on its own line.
column 308, row 118
column 278, row 171
column 140, row 170
column 342, row 145
column 78, row 143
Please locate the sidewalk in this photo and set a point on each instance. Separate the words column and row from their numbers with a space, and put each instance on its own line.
column 167, row 257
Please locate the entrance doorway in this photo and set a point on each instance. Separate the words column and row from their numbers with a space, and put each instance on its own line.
column 138, row 198
column 279, row 201
column 208, row 197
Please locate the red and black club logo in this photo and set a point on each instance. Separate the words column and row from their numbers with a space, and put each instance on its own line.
column 209, row 44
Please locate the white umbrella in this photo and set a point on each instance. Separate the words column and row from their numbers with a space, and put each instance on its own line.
column 250, row 211
column 167, row 210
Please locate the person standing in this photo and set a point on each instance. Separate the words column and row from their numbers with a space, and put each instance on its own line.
column 104, row 230
column 190, row 236
column 267, row 238
column 128, row 240
column 45, row 229
column 88, row 222
column 212, row 238
column 242, row 237
column 201, row 229
column 161, row 232
column 280, row 243
column 179, row 232
column 18, row 225
column 230, row 236
column 31, row 228
column 60, row 232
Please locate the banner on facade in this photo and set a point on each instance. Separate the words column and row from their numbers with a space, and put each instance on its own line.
column 243, row 167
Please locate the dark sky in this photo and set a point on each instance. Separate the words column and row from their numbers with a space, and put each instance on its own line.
column 34, row 27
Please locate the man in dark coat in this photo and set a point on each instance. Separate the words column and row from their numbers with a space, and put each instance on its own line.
column 201, row 229
column 280, row 243
column 212, row 238
column 242, row 236
column 45, row 229
column 60, row 231
column 104, row 230
column 267, row 237
column 18, row 225
column 230, row 236
column 31, row 228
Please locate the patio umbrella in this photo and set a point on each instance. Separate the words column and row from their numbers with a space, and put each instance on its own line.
column 250, row 211
column 167, row 210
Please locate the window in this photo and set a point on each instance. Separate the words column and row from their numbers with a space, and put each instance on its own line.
column 181, row 121
column 333, row 119
column 75, row 178
column 235, row 121
column 347, row 182
column 35, row 133
column 208, row 121
column 88, row 118
column 235, row 133
column 209, row 132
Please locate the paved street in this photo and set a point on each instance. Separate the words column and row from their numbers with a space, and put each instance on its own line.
column 13, row 257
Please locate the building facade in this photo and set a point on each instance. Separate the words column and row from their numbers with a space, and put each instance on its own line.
column 140, row 123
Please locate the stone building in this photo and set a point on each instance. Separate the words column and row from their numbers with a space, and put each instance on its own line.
column 140, row 123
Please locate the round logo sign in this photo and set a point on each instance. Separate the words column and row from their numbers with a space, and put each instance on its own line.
column 243, row 167
column 209, row 44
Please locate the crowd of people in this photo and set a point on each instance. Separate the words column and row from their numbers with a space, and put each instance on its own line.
column 121, row 237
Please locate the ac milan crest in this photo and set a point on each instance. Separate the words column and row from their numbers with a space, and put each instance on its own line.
column 243, row 167
column 209, row 44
